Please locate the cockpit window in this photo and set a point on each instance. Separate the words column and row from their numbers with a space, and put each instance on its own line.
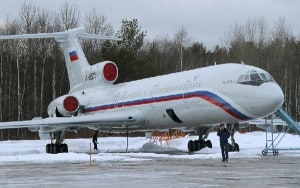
column 255, row 78
column 269, row 77
column 263, row 76
column 246, row 78
column 241, row 78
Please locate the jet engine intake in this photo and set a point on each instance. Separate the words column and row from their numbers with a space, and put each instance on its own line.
column 69, row 107
column 105, row 72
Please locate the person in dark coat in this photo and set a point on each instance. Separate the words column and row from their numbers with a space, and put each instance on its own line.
column 224, row 134
column 95, row 137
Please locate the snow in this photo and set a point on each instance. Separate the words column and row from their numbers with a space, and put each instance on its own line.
column 140, row 149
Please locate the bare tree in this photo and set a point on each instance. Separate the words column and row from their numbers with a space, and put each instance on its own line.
column 69, row 14
column 96, row 23
column 281, row 31
column 181, row 41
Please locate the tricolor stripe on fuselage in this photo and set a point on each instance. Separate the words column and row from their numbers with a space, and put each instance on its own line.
column 206, row 95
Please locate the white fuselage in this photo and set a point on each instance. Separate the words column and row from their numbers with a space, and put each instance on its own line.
column 202, row 96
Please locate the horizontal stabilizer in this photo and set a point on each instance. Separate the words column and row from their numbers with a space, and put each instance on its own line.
column 61, row 36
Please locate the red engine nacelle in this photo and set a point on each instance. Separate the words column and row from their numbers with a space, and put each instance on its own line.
column 66, row 107
column 105, row 72
column 71, row 104
column 110, row 71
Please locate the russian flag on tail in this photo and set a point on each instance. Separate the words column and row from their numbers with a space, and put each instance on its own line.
column 73, row 56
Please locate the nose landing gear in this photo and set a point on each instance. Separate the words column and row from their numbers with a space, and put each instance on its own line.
column 233, row 146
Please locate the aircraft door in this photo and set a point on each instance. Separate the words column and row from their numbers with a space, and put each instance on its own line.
column 116, row 99
column 119, row 99
column 153, row 95
column 187, row 87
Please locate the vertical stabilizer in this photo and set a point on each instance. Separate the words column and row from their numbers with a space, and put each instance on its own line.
column 76, row 61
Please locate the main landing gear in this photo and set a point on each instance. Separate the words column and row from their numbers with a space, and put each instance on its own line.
column 196, row 145
column 233, row 146
column 58, row 146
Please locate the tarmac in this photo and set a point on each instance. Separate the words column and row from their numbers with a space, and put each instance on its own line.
column 268, row 171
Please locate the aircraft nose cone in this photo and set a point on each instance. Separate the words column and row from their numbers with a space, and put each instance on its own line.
column 274, row 97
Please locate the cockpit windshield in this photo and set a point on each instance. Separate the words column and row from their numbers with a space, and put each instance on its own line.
column 255, row 78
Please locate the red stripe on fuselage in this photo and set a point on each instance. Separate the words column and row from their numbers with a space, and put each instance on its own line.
column 208, row 98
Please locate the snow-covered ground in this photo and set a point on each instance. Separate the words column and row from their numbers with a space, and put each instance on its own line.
column 113, row 149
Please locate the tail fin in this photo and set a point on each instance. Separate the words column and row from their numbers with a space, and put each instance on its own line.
column 75, row 59
column 76, row 62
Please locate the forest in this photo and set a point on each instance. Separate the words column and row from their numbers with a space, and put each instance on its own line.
column 33, row 71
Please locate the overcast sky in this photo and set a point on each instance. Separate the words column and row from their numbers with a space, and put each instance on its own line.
column 206, row 21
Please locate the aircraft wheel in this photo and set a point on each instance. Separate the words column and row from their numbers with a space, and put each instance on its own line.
column 56, row 149
column 264, row 152
column 208, row 144
column 191, row 146
column 236, row 147
column 197, row 145
column 64, row 148
column 275, row 152
column 48, row 148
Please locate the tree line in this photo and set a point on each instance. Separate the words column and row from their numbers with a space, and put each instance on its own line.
column 33, row 71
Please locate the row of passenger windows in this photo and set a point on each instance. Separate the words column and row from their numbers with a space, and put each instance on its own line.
column 176, row 88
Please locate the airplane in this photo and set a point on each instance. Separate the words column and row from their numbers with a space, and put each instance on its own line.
column 196, row 99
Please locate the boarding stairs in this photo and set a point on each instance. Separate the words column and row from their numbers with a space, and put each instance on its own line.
column 289, row 120
column 272, row 141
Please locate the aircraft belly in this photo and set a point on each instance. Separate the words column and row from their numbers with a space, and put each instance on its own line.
column 158, row 119
column 200, row 112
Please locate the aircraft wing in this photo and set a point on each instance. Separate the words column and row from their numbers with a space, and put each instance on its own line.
column 132, row 117
column 261, row 121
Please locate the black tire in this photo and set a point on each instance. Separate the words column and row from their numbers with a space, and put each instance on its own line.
column 190, row 146
column 197, row 145
column 64, row 148
column 52, row 148
column 236, row 147
column 56, row 149
column 275, row 152
column 264, row 152
column 48, row 148
column 208, row 144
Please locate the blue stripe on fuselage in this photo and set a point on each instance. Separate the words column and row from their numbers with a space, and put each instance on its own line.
column 206, row 95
